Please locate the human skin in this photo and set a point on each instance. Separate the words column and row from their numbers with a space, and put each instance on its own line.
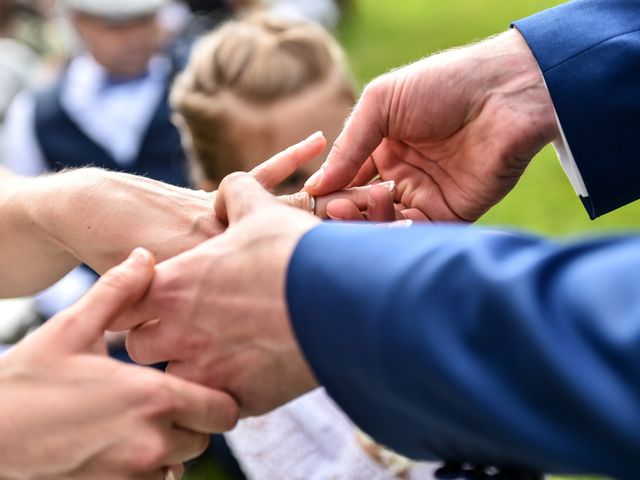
column 454, row 132
column 272, row 130
column 103, row 419
column 70, row 412
column 51, row 224
column 255, row 357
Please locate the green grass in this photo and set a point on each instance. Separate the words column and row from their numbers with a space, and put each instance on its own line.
column 381, row 35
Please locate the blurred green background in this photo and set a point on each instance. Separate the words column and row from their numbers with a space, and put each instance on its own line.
column 380, row 35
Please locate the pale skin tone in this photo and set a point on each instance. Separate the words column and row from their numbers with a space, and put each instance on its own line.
column 93, row 216
column 454, row 132
column 101, row 419
column 105, row 419
column 262, row 131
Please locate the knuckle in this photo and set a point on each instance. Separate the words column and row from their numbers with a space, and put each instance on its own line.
column 233, row 179
column 150, row 453
column 224, row 413
column 115, row 278
column 188, row 344
column 373, row 89
column 158, row 397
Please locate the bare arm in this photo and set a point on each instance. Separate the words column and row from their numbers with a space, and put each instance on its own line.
column 30, row 259
column 50, row 224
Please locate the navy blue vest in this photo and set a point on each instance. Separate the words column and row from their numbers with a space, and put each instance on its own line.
column 64, row 145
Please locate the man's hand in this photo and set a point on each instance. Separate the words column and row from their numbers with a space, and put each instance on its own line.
column 218, row 319
column 454, row 131
column 68, row 411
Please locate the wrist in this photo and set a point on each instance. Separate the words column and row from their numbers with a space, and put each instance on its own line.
column 21, row 206
column 519, row 76
column 53, row 204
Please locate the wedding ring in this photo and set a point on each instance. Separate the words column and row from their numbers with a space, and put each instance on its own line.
column 169, row 475
column 314, row 203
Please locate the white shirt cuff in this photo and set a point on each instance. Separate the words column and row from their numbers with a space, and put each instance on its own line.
column 568, row 162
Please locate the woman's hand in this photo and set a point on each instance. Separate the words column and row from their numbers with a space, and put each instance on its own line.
column 68, row 411
column 49, row 225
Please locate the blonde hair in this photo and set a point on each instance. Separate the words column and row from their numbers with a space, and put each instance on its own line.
column 255, row 61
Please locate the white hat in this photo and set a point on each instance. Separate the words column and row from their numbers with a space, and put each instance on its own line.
column 116, row 10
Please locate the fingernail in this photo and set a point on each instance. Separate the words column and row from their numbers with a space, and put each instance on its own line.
column 389, row 185
column 316, row 136
column 315, row 178
column 139, row 257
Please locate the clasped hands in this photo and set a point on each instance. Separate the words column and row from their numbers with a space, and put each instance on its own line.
column 450, row 135
column 453, row 132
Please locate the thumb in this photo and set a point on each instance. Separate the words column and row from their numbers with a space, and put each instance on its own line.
column 364, row 131
column 239, row 195
column 84, row 324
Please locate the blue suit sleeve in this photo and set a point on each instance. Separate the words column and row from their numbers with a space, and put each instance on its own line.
column 461, row 344
column 589, row 52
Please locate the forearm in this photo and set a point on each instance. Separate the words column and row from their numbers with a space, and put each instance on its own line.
column 31, row 257
column 477, row 346
column 95, row 217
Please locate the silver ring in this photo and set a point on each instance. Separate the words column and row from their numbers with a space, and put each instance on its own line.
column 169, row 475
column 314, row 204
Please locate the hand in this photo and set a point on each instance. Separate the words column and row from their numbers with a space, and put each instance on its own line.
column 98, row 217
column 219, row 320
column 455, row 131
column 68, row 411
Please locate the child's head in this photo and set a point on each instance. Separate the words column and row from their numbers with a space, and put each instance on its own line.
column 255, row 86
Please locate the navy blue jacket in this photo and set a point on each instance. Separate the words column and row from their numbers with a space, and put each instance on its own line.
column 462, row 344
column 589, row 53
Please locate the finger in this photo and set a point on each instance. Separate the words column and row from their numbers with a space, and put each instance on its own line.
column 366, row 174
column 359, row 196
column 363, row 132
column 280, row 167
column 344, row 210
column 201, row 409
column 380, row 206
column 240, row 194
column 415, row 215
column 185, row 445
column 84, row 324
column 147, row 344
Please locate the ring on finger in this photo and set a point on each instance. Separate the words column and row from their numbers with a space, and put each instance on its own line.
column 313, row 204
